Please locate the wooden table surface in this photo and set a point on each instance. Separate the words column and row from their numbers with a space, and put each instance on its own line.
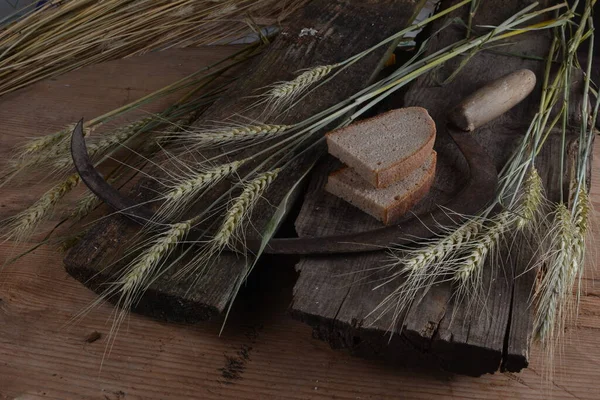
column 262, row 354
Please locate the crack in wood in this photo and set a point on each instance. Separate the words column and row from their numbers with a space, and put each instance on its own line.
column 505, row 355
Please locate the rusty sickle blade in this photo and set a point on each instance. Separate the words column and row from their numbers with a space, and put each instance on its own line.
column 478, row 191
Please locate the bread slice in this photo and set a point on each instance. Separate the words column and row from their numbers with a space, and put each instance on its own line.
column 386, row 148
column 387, row 205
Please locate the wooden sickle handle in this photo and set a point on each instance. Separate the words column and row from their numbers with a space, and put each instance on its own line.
column 492, row 100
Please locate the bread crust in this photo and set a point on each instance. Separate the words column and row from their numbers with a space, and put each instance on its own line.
column 392, row 173
column 398, row 209
column 401, row 169
column 395, row 209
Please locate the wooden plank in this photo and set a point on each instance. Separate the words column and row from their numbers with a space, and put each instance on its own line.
column 460, row 340
column 45, row 356
column 343, row 28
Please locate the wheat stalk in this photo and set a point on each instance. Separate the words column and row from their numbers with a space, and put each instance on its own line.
column 564, row 264
column 119, row 136
column 186, row 189
column 203, row 138
column 235, row 215
column 52, row 40
column 283, row 94
column 561, row 265
column 139, row 274
column 57, row 153
column 418, row 269
column 469, row 267
column 24, row 223
column 461, row 252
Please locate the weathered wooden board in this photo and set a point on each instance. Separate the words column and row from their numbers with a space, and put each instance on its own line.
column 335, row 294
column 338, row 29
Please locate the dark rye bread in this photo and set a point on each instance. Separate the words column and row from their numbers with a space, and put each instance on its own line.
column 389, row 204
column 386, row 148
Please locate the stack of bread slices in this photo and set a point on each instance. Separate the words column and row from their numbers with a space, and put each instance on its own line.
column 390, row 162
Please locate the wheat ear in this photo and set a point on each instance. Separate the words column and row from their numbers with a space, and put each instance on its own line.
column 186, row 189
column 119, row 136
column 141, row 270
column 282, row 94
column 418, row 269
column 531, row 206
column 85, row 206
column 139, row 274
column 24, row 223
column 580, row 218
column 241, row 207
column 38, row 145
column 206, row 138
column 554, row 291
column 231, row 226
column 469, row 266
column 40, row 151
column 442, row 248
column 105, row 143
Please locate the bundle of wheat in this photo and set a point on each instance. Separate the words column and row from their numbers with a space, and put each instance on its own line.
column 61, row 36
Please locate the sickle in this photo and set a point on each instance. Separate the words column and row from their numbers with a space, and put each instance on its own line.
column 478, row 190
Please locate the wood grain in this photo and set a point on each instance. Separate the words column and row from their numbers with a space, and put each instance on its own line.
column 44, row 354
column 337, row 295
